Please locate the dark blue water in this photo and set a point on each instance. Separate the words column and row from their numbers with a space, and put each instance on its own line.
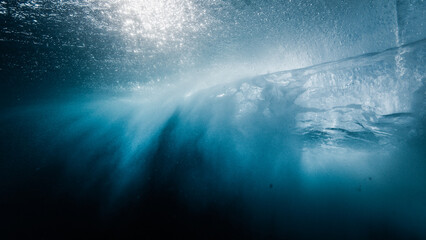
column 212, row 119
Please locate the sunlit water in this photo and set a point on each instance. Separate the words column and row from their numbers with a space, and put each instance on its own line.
column 215, row 144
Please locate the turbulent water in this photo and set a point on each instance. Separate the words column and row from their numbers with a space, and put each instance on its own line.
column 162, row 118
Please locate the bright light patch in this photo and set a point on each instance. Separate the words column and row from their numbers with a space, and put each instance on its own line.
column 161, row 21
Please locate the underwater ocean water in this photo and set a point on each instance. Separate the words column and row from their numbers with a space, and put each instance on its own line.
column 212, row 119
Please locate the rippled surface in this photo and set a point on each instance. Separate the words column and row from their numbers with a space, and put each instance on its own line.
column 213, row 119
column 120, row 43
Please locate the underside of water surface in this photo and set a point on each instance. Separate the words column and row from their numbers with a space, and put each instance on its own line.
column 216, row 119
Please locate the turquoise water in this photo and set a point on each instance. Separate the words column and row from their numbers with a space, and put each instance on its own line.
column 213, row 119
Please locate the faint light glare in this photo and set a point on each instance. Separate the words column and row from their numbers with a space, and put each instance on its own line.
column 161, row 21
